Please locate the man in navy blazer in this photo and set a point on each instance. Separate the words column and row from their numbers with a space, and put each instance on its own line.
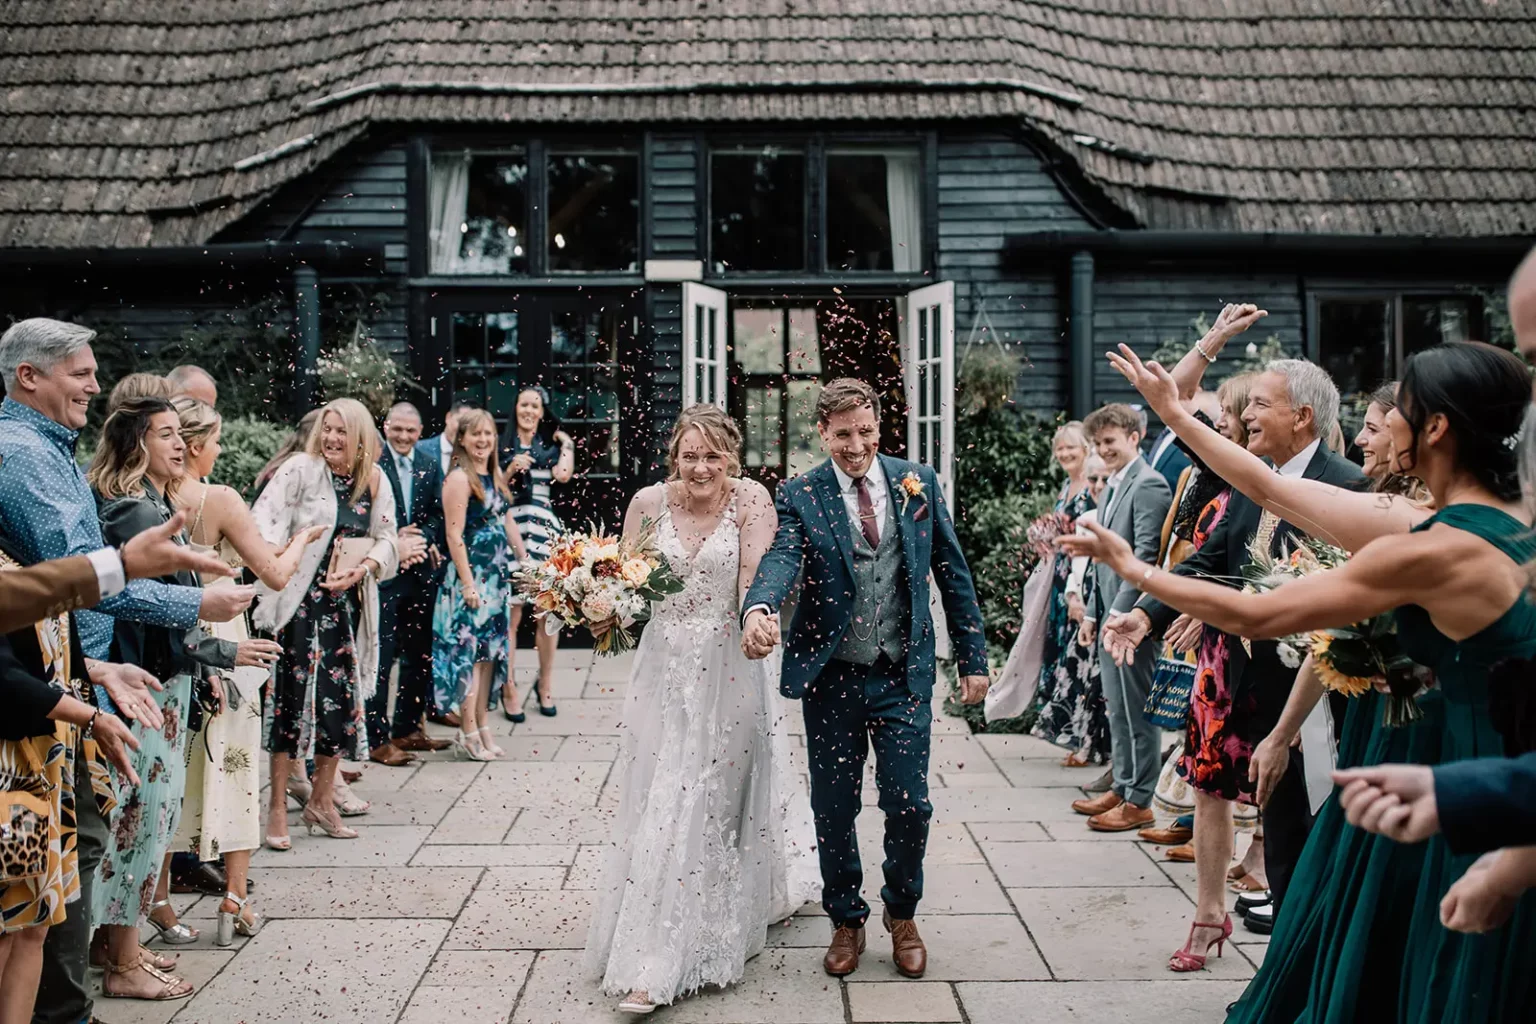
column 405, row 602
column 439, row 447
column 863, row 532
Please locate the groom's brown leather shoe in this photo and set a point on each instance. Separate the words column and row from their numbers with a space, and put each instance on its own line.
column 907, row 948
column 843, row 954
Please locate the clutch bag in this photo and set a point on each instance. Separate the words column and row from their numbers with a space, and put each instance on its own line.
column 348, row 553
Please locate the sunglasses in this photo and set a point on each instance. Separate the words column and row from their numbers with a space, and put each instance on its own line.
column 1097, row 479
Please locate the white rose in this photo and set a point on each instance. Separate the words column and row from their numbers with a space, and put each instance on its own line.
column 1290, row 657
column 636, row 571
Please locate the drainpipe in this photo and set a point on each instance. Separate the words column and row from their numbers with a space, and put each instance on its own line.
column 306, row 307
column 1080, row 327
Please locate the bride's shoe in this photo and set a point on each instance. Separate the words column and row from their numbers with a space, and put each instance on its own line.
column 637, row 1002
column 468, row 744
column 312, row 818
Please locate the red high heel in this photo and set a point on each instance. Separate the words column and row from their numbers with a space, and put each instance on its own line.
column 1183, row 961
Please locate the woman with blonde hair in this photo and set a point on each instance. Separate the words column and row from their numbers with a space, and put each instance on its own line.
column 139, row 385
column 469, row 622
column 713, row 837
column 221, row 814
column 327, row 615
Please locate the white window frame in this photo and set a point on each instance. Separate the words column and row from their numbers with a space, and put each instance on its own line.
column 704, row 345
column 928, row 365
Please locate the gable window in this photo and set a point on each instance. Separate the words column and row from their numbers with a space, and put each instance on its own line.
column 1364, row 339
column 874, row 210
column 757, row 209
column 479, row 204
column 594, row 211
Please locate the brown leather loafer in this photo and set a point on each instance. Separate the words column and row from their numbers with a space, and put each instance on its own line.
column 907, row 949
column 1123, row 818
column 1098, row 805
column 447, row 718
column 420, row 741
column 843, row 954
column 1173, row 835
column 390, row 755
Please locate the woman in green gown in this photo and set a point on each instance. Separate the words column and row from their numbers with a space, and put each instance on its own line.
column 1360, row 937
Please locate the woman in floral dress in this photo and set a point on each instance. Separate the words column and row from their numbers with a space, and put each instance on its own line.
column 469, row 623
column 326, row 622
column 1070, row 711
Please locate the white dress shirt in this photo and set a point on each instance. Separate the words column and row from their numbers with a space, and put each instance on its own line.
column 407, row 473
column 110, row 577
column 1298, row 465
column 445, row 452
column 1112, row 490
column 879, row 495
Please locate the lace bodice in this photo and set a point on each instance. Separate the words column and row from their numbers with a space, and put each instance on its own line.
column 710, row 577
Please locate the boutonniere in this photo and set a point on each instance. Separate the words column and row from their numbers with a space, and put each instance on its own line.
column 911, row 487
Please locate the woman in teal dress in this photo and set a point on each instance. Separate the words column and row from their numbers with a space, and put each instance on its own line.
column 1360, row 937
column 469, row 623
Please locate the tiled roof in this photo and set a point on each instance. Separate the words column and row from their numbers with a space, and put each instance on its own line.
column 159, row 122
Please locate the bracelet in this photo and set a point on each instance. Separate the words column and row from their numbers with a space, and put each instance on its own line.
column 90, row 726
column 1210, row 359
column 1146, row 575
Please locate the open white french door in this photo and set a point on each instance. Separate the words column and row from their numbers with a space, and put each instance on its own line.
column 928, row 362
column 704, row 355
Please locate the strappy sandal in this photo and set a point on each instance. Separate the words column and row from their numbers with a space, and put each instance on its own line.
column 348, row 804
column 1246, row 883
column 637, row 1002
column 234, row 922
column 176, row 934
column 149, row 956
column 170, row 985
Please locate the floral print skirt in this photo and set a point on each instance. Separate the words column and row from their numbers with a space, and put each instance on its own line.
column 148, row 816
column 313, row 706
column 463, row 636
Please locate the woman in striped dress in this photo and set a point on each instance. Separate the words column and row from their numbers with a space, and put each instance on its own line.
column 535, row 453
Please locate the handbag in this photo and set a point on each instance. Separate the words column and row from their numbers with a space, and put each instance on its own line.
column 25, row 815
column 1167, row 704
column 347, row 554
column 1012, row 693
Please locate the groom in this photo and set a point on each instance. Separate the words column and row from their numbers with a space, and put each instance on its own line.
column 867, row 530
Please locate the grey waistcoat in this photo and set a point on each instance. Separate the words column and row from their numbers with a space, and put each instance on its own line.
column 881, row 607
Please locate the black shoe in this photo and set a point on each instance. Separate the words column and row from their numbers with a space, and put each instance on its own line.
column 1248, row 900
column 519, row 718
column 549, row 710
column 205, row 878
column 1260, row 920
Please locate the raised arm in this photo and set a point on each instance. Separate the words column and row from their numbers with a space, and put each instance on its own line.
column 231, row 519
column 1348, row 519
column 759, row 525
column 1233, row 320
column 565, row 466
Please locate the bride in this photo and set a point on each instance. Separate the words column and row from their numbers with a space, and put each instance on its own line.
column 713, row 841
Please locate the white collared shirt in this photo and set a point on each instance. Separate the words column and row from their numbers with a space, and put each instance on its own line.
column 445, row 451
column 1112, row 488
column 1298, row 465
column 406, row 470
column 879, row 495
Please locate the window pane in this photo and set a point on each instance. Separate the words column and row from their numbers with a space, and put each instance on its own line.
column 594, row 211
column 764, row 409
column 468, row 339
column 804, row 342
column 874, row 211
column 1428, row 321
column 501, row 388
column 759, row 340
column 1354, row 340
column 492, row 191
column 584, row 353
column 804, row 442
column 757, row 210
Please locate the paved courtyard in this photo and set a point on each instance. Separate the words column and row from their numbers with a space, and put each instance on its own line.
column 466, row 900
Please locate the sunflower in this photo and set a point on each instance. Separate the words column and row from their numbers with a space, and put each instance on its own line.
column 1330, row 677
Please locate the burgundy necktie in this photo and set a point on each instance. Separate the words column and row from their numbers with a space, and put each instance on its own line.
column 867, row 514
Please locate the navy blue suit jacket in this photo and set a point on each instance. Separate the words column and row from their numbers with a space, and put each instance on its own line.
column 816, row 535
column 1171, row 463
column 1487, row 804
column 426, row 506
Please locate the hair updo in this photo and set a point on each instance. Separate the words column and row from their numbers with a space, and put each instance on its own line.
column 720, row 432
column 1483, row 392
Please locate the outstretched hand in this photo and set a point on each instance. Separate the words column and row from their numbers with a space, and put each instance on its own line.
column 1100, row 544
column 1235, row 318
column 154, row 553
column 1154, row 382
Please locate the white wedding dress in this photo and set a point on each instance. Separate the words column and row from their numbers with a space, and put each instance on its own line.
column 713, row 841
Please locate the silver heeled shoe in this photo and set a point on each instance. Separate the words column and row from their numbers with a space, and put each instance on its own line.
column 232, row 923
column 177, row 934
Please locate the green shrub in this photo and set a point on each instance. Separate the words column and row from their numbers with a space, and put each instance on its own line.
column 247, row 444
column 358, row 368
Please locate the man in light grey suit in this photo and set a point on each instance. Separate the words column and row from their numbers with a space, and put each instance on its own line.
column 1134, row 505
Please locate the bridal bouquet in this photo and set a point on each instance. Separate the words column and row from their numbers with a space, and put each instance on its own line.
column 1348, row 659
column 601, row 582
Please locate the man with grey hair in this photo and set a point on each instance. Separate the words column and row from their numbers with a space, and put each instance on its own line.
column 1292, row 407
column 47, row 511
column 195, row 382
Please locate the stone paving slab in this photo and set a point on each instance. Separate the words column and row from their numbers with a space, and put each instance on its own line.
column 467, row 897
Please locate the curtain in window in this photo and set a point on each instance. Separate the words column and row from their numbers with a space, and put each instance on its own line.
column 448, row 200
column 903, row 198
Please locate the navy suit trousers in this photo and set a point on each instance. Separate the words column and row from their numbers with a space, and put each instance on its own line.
column 846, row 708
column 405, row 632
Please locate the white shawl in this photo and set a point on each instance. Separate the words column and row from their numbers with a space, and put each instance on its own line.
column 300, row 495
